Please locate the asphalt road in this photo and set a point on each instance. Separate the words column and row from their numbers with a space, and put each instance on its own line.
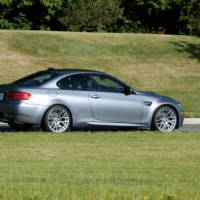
column 191, row 127
column 186, row 127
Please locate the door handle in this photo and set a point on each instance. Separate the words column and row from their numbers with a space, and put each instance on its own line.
column 95, row 96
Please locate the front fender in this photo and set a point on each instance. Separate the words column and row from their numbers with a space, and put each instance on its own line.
column 149, row 111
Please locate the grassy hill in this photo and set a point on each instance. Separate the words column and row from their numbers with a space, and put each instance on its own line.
column 166, row 64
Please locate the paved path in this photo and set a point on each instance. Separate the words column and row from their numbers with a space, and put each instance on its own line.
column 189, row 125
column 192, row 121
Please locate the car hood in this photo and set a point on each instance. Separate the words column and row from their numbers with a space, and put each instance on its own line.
column 157, row 96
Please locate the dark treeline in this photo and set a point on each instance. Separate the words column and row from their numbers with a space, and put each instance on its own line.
column 147, row 16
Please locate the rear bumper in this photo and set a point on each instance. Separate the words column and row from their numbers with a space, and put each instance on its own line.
column 21, row 112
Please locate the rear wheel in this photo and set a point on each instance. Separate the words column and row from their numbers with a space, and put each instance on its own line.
column 20, row 127
column 57, row 119
column 165, row 119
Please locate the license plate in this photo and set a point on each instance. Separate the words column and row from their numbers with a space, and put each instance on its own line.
column 1, row 96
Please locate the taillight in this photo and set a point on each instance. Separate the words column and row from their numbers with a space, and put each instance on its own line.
column 19, row 95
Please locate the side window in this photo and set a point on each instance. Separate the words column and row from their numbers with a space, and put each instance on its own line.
column 36, row 79
column 91, row 82
column 105, row 83
column 73, row 82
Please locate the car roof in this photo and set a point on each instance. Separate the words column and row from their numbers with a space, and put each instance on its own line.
column 64, row 71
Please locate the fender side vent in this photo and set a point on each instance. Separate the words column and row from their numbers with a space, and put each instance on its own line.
column 147, row 103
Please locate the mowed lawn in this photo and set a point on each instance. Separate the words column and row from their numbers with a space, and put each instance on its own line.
column 121, row 165
column 169, row 65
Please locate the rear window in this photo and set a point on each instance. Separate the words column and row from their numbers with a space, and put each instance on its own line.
column 36, row 79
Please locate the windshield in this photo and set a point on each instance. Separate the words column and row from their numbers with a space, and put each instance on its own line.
column 36, row 79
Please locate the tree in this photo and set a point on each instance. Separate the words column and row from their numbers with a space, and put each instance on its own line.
column 158, row 16
column 29, row 14
column 166, row 16
column 189, row 20
column 152, row 15
column 90, row 15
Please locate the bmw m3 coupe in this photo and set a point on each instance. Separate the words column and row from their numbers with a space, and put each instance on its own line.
column 60, row 99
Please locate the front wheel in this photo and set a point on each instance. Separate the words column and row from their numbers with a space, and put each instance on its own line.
column 57, row 119
column 165, row 119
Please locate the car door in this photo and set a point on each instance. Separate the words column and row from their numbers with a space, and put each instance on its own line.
column 109, row 103
column 74, row 94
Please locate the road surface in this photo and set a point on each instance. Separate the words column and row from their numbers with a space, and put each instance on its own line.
column 186, row 127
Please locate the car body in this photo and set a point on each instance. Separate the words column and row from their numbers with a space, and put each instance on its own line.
column 90, row 98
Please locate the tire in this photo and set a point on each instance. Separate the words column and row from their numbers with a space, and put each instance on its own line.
column 20, row 127
column 165, row 119
column 57, row 119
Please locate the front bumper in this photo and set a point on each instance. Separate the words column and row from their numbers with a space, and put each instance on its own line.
column 181, row 119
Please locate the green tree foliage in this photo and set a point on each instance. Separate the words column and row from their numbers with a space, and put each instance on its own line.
column 29, row 14
column 158, row 16
column 195, row 19
column 162, row 16
column 90, row 15
column 189, row 21
column 152, row 15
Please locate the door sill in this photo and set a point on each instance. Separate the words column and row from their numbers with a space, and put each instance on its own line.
column 117, row 124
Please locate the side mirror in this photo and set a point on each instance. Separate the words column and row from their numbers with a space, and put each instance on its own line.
column 128, row 90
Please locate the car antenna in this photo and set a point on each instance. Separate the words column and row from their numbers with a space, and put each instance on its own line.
column 50, row 69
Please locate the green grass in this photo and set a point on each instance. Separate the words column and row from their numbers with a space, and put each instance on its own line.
column 100, row 165
column 104, row 165
column 169, row 65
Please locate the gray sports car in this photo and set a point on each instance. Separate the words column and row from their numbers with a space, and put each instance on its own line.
column 60, row 99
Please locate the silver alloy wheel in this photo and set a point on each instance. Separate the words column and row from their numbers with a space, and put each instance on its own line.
column 58, row 120
column 166, row 119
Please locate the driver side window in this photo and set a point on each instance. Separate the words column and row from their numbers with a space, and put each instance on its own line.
column 106, row 84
